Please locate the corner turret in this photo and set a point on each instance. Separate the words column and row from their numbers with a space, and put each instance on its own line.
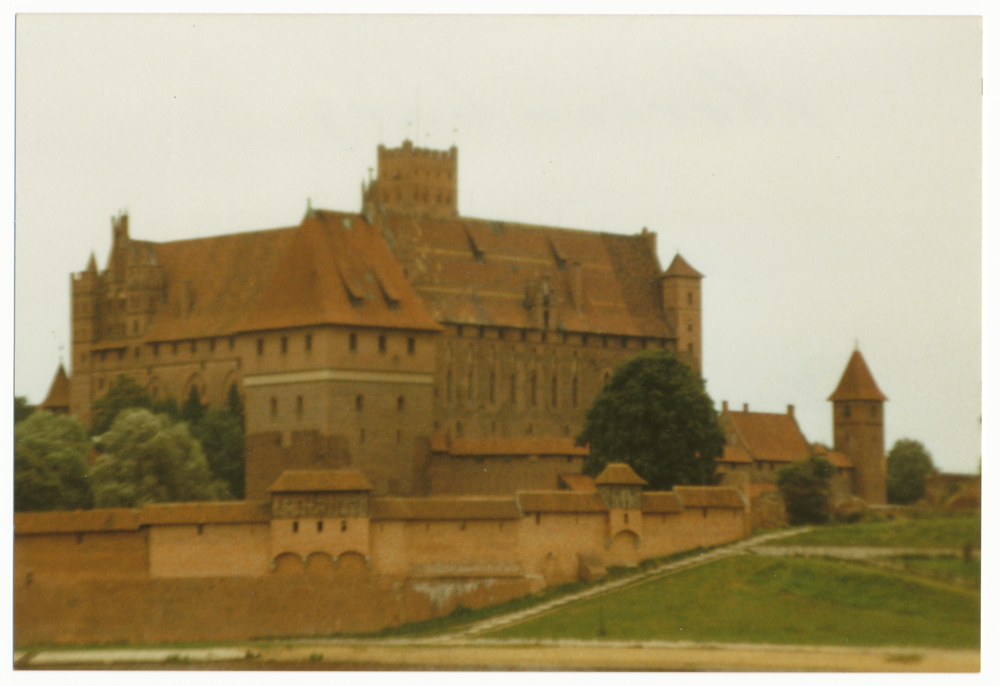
column 681, row 285
column 858, row 428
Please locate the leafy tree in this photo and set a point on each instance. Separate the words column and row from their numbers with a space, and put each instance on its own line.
column 123, row 393
column 908, row 466
column 50, row 464
column 655, row 415
column 235, row 404
column 192, row 410
column 222, row 441
column 805, row 488
column 150, row 459
column 169, row 407
column 22, row 409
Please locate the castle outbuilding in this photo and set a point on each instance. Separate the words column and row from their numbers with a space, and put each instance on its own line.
column 355, row 338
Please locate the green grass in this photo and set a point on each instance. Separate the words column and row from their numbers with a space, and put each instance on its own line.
column 944, row 566
column 938, row 532
column 772, row 600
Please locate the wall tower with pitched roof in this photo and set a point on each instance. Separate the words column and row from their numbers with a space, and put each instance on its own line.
column 858, row 428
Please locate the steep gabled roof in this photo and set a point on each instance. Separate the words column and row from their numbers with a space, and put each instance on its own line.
column 619, row 474
column 857, row 382
column 680, row 267
column 767, row 437
column 581, row 483
column 660, row 502
column 481, row 272
column 320, row 480
column 58, row 396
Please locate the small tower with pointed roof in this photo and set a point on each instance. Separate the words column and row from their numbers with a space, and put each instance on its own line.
column 858, row 429
column 682, row 306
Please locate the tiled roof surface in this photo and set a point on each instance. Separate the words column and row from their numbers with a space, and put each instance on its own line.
column 680, row 267
column 660, row 502
column 560, row 501
column 619, row 473
column 111, row 519
column 732, row 453
column 58, row 396
column 523, row 445
column 325, row 480
column 580, row 483
column 709, row 496
column 481, row 272
column 838, row 459
column 857, row 382
column 206, row 513
column 445, row 508
column 769, row 437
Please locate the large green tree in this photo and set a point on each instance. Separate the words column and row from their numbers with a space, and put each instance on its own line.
column 221, row 438
column 805, row 488
column 123, row 393
column 50, row 464
column 150, row 459
column 908, row 466
column 22, row 409
column 655, row 415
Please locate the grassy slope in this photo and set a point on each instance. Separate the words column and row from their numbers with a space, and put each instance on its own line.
column 772, row 600
column 945, row 532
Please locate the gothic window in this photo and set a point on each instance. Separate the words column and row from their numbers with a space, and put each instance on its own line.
column 319, row 526
column 381, row 343
column 353, row 342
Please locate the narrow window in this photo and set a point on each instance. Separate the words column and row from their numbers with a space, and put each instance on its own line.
column 232, row 343
column 343, row 525
column 576, row 400
column 458, row 429
column 194, row 347
column 690, row 299
column 626, row 517
column 274, row 407
column 513, row 389
column 295, row 527
column 469, row 384
column 493, row 383
column 211, row 345
column 534, row 388
column 353, row 344
column 284, row 345
column 448, row 387
column 555, row 390
column 607, row 377
column 381, row 343
column 260, row 346
column 309, row 342
column 201, row 529
column 400, row 403
column 690, row 326
column 411, row 345
column 846, row 411
column 546, row 319
column 298, row 406
column 538, row 518
column 319, row 526
column 359, row 403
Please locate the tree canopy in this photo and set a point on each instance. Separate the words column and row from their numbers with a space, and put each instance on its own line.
column 908, row 466
column 22, row 409
column 222, row 441
column 123, row 393
column 655, row 415
column 805, row 488
column 150, row 459
column 50, row 464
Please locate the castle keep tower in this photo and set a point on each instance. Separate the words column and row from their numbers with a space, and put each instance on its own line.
column 682, row 306
column 416, row 179
column 858, row 430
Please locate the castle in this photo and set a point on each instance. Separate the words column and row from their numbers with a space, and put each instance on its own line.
column 404, row 340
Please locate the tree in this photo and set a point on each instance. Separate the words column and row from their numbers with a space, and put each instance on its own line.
column 150, row 459
column 655, row 415
column 222, row 441
column 123, row 393
column 908, row 466
column 192, row 410
column 805, row 488
column 235, row 404
column 22, row 409
column 50, row 464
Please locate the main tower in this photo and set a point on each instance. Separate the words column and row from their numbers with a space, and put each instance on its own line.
column 858, row 429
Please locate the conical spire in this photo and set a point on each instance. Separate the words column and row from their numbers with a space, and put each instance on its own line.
column 92, row 263
column 58, row 397
column 857, row 382
column 680, row 267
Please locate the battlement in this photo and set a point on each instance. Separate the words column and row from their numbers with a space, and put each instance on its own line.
column 407, row 150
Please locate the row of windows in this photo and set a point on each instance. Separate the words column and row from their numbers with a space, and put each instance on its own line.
column 352, row 344
column 532, row 390
column 319, row 526
column 585, row 339
column 359, row 405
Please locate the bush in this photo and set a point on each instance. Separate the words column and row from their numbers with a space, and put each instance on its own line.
column 805, row 488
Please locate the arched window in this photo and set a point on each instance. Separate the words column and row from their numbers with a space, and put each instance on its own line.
column 359, row 403
column 400, row 403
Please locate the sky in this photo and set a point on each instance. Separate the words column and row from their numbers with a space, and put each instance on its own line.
column 824, row 173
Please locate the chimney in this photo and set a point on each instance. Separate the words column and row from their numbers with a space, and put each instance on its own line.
column 746, row 407
column 576, row 285
column 791, row 411
column 725, row 406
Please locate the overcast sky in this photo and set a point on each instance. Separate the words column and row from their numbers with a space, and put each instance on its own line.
column 823, row 173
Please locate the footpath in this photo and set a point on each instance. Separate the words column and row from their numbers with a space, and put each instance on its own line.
column 466, row 649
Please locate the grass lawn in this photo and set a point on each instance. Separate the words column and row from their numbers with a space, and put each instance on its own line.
column 754, row 599
column 948, row 566
column 937, row 532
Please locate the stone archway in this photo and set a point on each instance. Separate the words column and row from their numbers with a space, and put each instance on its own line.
column 287, row 563
column 351, row 562
column 624, row 549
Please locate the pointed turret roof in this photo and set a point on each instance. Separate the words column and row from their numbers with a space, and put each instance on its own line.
column 680, row 267
column 58, row 397
column 92, row 263
column 857, row 382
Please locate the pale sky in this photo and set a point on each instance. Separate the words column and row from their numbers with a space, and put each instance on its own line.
column 823, row 173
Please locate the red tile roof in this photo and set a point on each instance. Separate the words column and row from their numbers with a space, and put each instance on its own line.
column 325, row 480
column 735, row 454
column 660, row 502
column 444, row 508
column 840, row 460
column 580, row 483
column 857, row 382
column 76, row 521
column 768, row 437
column 231, row 512
column 710, row 496
column 58, row 397
column 522, row 445
column 680, row 267
column 482, row 272
column 560, row 501
column 619, row 473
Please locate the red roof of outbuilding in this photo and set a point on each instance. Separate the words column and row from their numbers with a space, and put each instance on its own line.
column 619, row 473
column 768, row 437
column 857, row 382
